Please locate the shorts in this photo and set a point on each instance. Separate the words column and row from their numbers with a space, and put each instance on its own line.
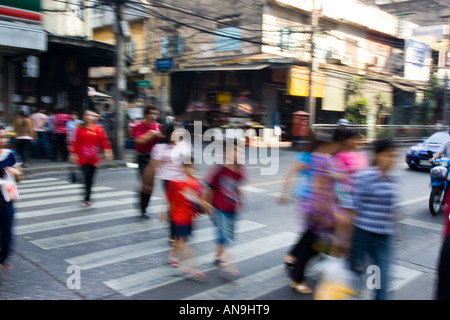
column 182, row 231
column 225, row 223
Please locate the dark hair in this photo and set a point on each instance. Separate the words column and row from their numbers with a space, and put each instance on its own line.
column 382, row 145
column 320, row 137
column 170, row 128
column 21, row 113
column 344, row 134
column 148, row 109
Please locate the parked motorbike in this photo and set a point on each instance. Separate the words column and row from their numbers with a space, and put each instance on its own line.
column 439, row 175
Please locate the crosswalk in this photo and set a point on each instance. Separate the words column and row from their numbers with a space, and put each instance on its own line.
column 50, row 219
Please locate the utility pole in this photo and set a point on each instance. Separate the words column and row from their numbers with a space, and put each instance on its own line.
column 311, row 100
column 445, row 118
column 120, row 82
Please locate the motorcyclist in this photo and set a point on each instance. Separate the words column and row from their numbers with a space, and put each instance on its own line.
column 342, row 123
column 443, row 151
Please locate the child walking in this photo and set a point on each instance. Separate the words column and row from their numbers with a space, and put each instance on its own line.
column 185, row 202
column 225, row 196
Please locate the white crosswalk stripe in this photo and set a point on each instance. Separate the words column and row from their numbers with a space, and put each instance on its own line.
column 102, row 258
column 95, row 235
column 73, row 208
column 45, row 202
column 153, row 278
column 50, row 188
column 114, row 206
column 64, row 192
column 78, row 221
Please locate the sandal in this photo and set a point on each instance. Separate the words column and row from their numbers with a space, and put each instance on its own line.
column 197, row 273
column 174, row 263
column 301, row 287
column 220, row 263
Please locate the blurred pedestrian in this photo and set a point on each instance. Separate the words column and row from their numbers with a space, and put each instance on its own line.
column 71, row 127
column 167, row 161
column 443, row 267
column 89, row 138
column 348, row 160
column 40, row 120
column 300, row 173
column 60, row 119
column 146, row 134
column 318, row 209
column 7, row 164
column 224, row 194
column 186, row 202
column 23, row 127
column 375, row 202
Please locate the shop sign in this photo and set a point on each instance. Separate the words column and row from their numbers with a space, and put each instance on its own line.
column 22, row 9
column 143, row 84
column 298, row 84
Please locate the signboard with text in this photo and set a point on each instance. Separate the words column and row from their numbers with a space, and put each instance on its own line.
column 164, row 65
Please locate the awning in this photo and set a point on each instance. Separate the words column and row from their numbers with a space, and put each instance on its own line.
column 96, row 53
column 403, row 87
column 18, row 35
column 233, row 67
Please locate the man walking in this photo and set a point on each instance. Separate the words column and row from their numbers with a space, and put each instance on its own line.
column 146, row 135
column 40, row 120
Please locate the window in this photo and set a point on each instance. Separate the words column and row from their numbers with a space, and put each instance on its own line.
column 172, row 46
column 228, row 34
column 286, row 41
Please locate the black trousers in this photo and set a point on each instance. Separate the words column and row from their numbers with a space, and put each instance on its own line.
column 88, row 171
column 144, row 198
column 303, row 251
column 23, row 149
column 60, row 146
column 443, row 279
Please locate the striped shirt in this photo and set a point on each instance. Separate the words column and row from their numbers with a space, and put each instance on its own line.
column 375, row 199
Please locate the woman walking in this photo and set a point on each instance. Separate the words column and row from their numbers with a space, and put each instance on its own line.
column 89, row 138
column 23, row 126
column 298, row 170
column 318, row 209
column 7, row 164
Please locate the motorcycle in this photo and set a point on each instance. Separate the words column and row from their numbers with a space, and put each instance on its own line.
column 439, row 175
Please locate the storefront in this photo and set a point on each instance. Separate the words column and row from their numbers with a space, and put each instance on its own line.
column 21, row 45
column 57, row 77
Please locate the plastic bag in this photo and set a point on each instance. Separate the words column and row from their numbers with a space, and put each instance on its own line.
column 9, row 187
column 337, row 281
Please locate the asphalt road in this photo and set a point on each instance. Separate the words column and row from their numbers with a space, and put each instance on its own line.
column 107, row 252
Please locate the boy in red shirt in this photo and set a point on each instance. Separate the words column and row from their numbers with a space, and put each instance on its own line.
column 185, row 202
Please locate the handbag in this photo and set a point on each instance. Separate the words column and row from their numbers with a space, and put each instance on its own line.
column 336, row 282
column 9, row 188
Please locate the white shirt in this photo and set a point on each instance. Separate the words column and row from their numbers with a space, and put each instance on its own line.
column 171, row 158
column 39, row 120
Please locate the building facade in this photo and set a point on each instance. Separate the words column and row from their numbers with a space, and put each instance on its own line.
column 45, row 54
column 265, row 51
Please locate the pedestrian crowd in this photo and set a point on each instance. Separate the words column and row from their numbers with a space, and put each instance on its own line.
column 44, row 134
column 346, row 204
